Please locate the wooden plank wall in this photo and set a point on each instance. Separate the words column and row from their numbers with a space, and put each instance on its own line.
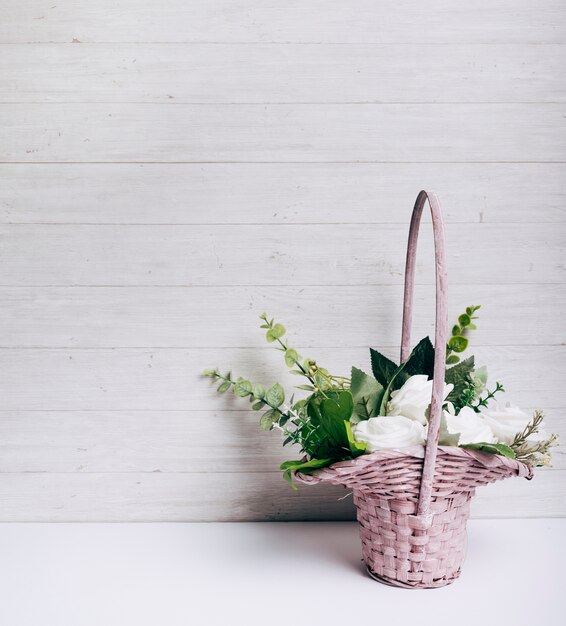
column 169, row 170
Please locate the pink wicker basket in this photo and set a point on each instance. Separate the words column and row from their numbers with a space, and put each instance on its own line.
column 413, row 503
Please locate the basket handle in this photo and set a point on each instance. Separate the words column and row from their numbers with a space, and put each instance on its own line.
column 440, row 332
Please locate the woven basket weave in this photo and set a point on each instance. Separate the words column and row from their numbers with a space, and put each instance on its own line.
column 413, row 503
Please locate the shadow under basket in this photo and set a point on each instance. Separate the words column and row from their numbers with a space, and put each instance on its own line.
column 399, row 547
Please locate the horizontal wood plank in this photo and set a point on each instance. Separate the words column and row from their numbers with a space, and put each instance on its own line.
column 281, row 193
column 157, row 441
column 293, row 21
column 171, row 379
column 282, row 132
column 281, row 73
column 261, row 255
column 231, row 497
column 188, row 317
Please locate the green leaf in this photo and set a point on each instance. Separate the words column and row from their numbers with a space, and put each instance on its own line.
column 275, row 332
column 223, row 387
column 321, row 379
column 492, row 448
column 258, row 405
column 242, row 388
column 259, row 391
column 305, row 387
column 209, row 372
column 459, row 376
column 333, row 415
column 366, row 392
column 291, row 357
column 464, row 319
column 382, row 367
column 267, row 420
column 481, row 375
column 456, row 330
column 356, row 447
column 420, row 361
column 453, row 358
column 458, row 344
column 275, row 395
column 306, row 467
column 288, row 476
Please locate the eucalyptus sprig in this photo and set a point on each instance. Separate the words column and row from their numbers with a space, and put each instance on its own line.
column 274, row 397
column 459, row 341
column 534, row 453
column 320, row 379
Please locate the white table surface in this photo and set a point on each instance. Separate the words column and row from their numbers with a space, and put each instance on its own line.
column 267, row 573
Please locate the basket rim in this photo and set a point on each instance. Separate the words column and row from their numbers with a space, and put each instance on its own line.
column 344, row 468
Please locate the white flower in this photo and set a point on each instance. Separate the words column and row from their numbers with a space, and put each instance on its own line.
column 385, row 433
column 413, row 398
column 466, row 427
column 506, row 422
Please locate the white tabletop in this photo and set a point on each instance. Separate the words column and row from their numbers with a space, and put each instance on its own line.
column 266, row 573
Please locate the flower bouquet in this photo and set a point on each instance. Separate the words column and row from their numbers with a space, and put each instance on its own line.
column 413, row 440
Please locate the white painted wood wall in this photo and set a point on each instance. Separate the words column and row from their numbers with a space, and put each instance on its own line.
column 169, row 170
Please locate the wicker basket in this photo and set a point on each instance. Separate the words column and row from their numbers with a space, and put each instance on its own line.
column 413, row 504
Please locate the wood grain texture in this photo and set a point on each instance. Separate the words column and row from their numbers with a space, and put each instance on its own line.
column 278, row 193
column 258, row 255
column 168, row 171
column 170, row 379
column 437, row 21
column 230, row 497
column 156, row 441
column 227, row 73
column 173, row 317
column 282, row 132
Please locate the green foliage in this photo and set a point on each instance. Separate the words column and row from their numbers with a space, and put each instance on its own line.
column 333, row 415
column 319, row 378
column 243, row 388
column 306, row 467
column 275, row 395
column 291, row 357
column 535, row 453
column 269, row 418
column 420, row 361
column 459, row 342
column 382, row 367
column 223, row 387
column 484, row 401
column 491, row 448
column 460, row 377
column 275, row 332
column 320, row 424
column 367, row 394
column 356, row 447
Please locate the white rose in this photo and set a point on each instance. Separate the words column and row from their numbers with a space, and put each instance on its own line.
column 506, row 422
column 413, row 398
column 385, row 433
column 466, row 427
